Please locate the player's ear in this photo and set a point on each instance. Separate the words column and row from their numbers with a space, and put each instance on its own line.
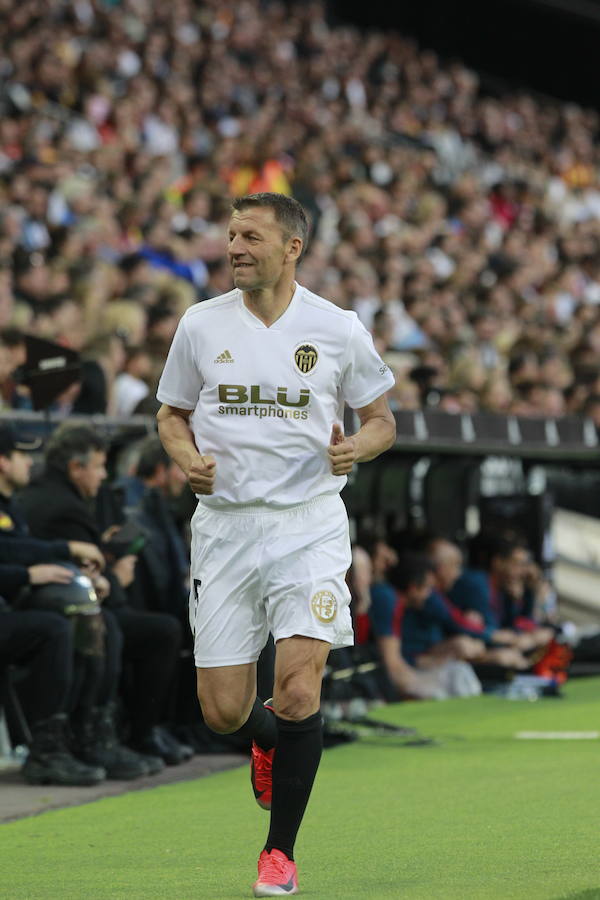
column 294, row 250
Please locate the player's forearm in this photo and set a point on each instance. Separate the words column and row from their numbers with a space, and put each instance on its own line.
column 375, row 436
column 177, row 438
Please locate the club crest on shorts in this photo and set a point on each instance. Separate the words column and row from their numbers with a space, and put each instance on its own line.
column 324, row 606
column 306, row 357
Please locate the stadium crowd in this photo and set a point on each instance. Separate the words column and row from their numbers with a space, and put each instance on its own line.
column 463, row 228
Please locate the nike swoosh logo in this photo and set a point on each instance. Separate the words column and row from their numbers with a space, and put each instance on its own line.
column 257, row 794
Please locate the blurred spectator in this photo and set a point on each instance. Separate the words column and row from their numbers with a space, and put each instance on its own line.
column 41, row 642
column 131, row 386
column 502, row 647
column 507, row 594
column 13, row 354
column 360, row 580
column 95, row 674
column 436, row 632
column 163, row 564
column 397, row 619
column 591, row 409
column 163, row 567
column 102, row 359
column 517, row 590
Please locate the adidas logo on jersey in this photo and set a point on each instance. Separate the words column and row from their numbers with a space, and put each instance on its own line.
column 224, row 357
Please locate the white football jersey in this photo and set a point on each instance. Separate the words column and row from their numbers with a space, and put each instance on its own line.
column 264, row 398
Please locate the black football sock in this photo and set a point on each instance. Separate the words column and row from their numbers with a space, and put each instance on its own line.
column 260, row 726
column 295, row 765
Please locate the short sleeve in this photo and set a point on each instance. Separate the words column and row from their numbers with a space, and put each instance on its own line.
column 181, row 380
column 365, row 376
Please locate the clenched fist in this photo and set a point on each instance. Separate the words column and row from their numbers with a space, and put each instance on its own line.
column 342, row 451
column 201, row 475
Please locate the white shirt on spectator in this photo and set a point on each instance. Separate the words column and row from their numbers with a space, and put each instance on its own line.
column 129, row 391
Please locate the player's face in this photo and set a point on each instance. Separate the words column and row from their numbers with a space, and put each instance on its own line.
column 257, row 249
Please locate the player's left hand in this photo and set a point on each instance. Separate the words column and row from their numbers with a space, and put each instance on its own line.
column 342, row 451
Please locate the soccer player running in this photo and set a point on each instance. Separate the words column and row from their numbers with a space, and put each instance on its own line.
column 252, row 394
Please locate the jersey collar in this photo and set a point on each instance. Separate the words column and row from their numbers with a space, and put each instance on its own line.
column 283, row 320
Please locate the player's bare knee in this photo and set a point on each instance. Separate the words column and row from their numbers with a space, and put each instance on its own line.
column 221, row 716
column 295, row 701
column 222, row 721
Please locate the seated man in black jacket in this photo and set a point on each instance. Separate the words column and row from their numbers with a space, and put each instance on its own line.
column 42, row 642
column 163, row 564
column 95, row 678
column 61, row 504
column 163, row 572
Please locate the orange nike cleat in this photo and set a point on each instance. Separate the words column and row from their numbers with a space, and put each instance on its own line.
column 277, row 875
column 261, row 772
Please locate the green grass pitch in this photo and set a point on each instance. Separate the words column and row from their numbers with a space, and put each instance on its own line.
column 479, row 815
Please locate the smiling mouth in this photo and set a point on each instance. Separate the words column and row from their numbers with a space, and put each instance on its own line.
column 242, row 265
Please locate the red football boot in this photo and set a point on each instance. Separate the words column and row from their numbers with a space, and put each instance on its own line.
column 277, row 875
column 261, row 771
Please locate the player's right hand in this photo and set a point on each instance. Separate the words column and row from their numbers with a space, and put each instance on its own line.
column 201, row 476
column 342, row 451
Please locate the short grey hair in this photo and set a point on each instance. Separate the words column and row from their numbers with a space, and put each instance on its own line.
column 289, row 214
column 69, row 442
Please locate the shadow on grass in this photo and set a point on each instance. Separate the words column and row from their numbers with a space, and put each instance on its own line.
column 590, row 894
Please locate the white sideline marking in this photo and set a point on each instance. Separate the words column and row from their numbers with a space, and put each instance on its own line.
column 557, row 735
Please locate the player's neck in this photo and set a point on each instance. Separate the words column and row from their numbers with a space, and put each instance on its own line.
column 269, row 304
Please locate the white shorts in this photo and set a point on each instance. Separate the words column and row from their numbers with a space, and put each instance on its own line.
column 255, row 570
